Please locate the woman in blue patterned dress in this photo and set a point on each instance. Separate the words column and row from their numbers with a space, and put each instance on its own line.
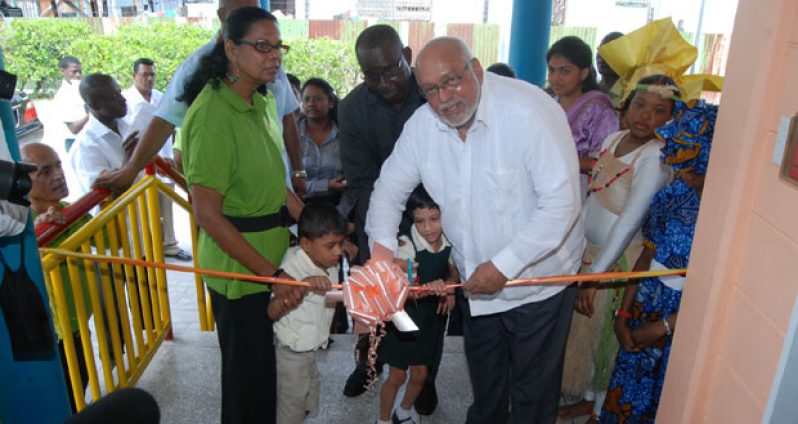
column 649, row 311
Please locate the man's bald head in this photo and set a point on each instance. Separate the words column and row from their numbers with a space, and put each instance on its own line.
column 451, row 79
column 48, row 185
column 33, row 152
column 444, row 48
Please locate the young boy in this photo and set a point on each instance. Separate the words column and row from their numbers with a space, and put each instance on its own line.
column 302, row 331
column 430, row 253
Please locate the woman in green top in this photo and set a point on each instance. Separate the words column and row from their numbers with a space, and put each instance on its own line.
column 236, row 178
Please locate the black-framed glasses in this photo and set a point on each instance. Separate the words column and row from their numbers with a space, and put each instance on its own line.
column 389, row 73
column 452, row 82
column 265, row 47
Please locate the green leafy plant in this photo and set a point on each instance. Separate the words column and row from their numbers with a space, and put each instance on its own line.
column 33, row 47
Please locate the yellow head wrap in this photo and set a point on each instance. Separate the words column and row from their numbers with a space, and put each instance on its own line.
column 656, row 48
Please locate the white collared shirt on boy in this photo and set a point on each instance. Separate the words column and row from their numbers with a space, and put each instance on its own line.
column 408, row 250
column 96, row 148
column 307, row 327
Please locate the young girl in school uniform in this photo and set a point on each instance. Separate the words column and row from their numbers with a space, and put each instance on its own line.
column 430, row 253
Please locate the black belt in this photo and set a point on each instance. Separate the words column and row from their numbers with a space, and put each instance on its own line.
column 254, row 224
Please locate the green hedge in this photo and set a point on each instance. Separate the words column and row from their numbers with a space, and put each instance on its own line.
column 33, row 47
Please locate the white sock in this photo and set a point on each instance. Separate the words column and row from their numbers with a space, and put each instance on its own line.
column 383, row 422
column 402, row 414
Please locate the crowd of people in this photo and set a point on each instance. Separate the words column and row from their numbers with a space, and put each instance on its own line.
column 455, row 174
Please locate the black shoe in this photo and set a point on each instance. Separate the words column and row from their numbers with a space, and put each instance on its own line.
column 356, row 383
column 427, row 400
column 180, row 256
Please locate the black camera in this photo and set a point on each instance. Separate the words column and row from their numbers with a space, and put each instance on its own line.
column 8, row 83
column 15, row 182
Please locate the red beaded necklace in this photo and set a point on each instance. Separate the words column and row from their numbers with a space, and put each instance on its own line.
column 596, row 170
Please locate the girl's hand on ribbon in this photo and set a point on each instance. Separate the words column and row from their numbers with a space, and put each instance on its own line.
column 437, row 288
column 446, row 304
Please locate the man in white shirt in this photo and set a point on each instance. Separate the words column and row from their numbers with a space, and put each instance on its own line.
column 142, row 99
column 497, row 155
column 103, row 141
column 68, row 103
column 171, row 111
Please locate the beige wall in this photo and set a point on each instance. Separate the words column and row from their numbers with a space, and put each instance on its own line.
column 743, row 275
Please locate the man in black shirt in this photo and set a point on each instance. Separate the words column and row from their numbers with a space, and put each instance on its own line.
column 370, row 120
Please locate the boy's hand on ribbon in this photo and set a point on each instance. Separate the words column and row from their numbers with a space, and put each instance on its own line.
column 319, row 284
column 486, row 279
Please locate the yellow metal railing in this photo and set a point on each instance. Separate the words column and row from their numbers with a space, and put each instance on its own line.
column 127, row 304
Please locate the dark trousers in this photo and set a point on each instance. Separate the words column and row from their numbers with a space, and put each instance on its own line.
column 248, row 364
column 515, row 359
column 440, row 330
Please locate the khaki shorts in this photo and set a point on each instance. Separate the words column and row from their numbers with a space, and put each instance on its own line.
column 297, row 385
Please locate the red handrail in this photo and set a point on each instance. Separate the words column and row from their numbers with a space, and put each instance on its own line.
column 45, row 233
column 165, row 168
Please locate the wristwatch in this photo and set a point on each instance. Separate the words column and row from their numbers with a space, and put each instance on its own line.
column 301, row 173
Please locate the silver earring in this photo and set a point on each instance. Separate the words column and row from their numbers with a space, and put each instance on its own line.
column 232, row 78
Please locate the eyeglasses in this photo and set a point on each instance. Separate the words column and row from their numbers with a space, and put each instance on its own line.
column 452, row 82
column 389, row 73
column 265, row 47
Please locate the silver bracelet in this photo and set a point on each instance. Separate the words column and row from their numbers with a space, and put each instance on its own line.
column 668, row 331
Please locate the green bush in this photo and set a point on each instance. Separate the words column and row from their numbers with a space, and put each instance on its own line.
column 332, row 60
column 32, row 48
column 167, row 44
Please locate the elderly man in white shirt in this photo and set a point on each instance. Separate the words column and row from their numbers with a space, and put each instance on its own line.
column 142, row 100
column 498, row 157
column 103, row 141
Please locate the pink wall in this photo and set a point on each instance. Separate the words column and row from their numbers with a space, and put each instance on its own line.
column 743, row 275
